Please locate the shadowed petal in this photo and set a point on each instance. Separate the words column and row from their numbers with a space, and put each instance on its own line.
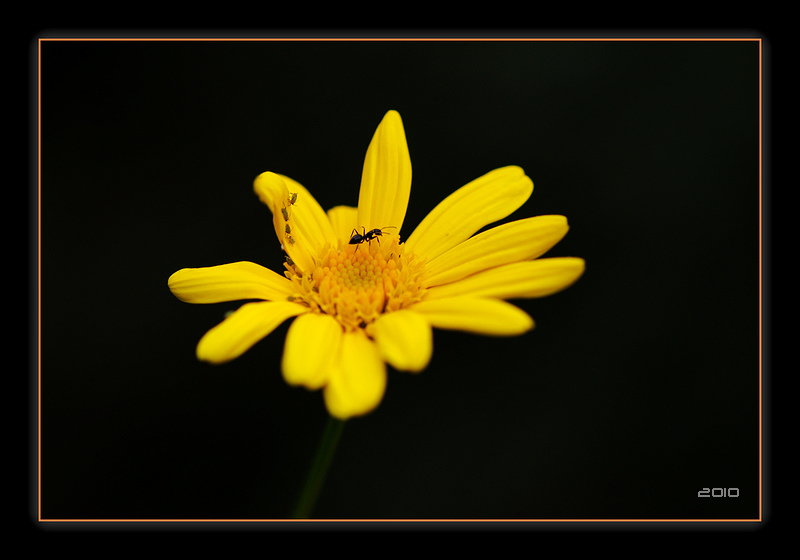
column 344, row 220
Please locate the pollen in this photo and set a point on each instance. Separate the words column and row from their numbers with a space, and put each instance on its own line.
column 356, row 284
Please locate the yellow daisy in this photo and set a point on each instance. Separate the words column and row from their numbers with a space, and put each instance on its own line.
column 360, row 296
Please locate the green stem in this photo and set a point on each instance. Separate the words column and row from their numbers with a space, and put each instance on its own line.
column 319, row 468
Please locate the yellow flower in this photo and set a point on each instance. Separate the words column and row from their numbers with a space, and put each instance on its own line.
column 362, row 297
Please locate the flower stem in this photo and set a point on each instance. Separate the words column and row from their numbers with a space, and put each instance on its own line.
column 319, row 468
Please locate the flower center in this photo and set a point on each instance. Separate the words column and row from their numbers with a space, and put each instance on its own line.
column 357, row 283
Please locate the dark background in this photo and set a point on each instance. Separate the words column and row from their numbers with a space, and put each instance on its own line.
column 638, row 387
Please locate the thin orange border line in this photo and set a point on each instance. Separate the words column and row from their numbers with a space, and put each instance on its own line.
column 39, row 277
column 412, row 39
column 760, row 286
column 403, row 521
column 421, row 520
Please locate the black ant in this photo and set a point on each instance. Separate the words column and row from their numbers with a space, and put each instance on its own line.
column 358, row 238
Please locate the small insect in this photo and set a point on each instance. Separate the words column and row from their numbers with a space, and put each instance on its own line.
column 288, row 230
column 290, row 200
column 358, row 238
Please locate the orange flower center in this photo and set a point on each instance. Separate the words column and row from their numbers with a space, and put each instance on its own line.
column 357, row 283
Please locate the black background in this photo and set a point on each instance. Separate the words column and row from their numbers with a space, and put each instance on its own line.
column 638, row 387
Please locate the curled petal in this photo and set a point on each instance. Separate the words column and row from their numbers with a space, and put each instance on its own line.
column 481, row 202
column 309, row 217
column 357, row 380
column 386, row 177
column 274, row 193
column 404, row 338
column 229, row 282
column 528, row 279
column 312, row 343
column 243, row 328
column 512, row 242
column 486, row 316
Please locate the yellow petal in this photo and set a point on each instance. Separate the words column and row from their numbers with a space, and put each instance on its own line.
column 274, row 193
column 309, row 217
column 404, row 338
column 358, row 378
column 483, row 201
column 386, row 177
column 312, row 343
column 528, row 279
column 516, row 241
column 485, row 316
column 343, row 220
column 229, row 282
column 243, row 328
